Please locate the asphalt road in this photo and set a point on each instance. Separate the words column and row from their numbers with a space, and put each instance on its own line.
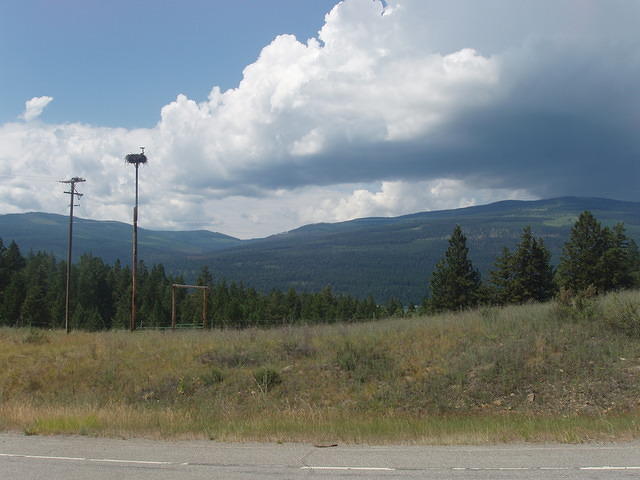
column 71, row 458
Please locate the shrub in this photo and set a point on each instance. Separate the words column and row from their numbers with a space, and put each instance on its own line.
column 212, row 377
column 577, row 306
column 36, row 337
column 299, row 348
column 625, row 317
column 267, row 378
column 364, row 361
column 236, row 358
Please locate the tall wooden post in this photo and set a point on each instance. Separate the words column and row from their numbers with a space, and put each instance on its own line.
column 136, row 159
column 173, row 307
column 205, row 292
column 134, row 260
column 72, row 194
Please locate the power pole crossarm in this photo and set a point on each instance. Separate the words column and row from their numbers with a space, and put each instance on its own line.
column 73, row 194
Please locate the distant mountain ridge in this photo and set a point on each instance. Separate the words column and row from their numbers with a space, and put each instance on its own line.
column 109, row 240
column 379, row 256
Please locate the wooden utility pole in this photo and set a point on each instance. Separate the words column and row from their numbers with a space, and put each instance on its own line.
column 136, row 159
column 72, row 193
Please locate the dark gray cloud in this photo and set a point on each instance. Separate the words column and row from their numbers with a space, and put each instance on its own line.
column 564, row 122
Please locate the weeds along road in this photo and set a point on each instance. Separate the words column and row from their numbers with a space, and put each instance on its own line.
column 71, row 458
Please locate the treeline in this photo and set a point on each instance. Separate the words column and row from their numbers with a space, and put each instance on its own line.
column 595, row 259
column 32, row 287
column 32, row 293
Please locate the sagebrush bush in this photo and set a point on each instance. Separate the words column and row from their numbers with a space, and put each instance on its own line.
column 212, row 377
column 577, row 306
column 36, row 337
column 364, row 361
column 267, row 378
column 624, row 316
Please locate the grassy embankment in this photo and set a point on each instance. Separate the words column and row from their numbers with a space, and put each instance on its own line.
column 551, row 372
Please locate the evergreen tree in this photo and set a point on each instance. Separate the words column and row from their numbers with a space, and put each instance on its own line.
column 155, row 298
column 580, row 264
column 205, row 278
column 455, row 283
column 4, row 274
column 294, row 306
column 120, row 286
column 597, row 256
column 501, row 279
column 220, row 304
column 634, row 262
column 394, row 307
column 12, row 300
column 93, row 294
column 56, row 293
column 11, row 262
column 34, row 310
column 277, row 311
column 619, row 260
column 525, row 274
column 539, row 283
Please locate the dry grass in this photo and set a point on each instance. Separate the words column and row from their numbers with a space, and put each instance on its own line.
column 530, row 373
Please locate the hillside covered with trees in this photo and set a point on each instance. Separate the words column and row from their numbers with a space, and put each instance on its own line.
column 595, row 260
column 383, row 257
column 32, row 293
column 32, row 287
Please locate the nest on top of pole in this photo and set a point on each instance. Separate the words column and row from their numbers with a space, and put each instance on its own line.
column 136, row 158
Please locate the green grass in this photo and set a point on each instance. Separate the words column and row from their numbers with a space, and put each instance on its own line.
column 563, row 372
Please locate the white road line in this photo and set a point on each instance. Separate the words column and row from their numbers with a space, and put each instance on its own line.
column 598, row 468
column 606, row 467
column 320, row 467
column 41, row 457
column 490, row 469
column 141, row 462
column 83, row 459
column 370, row 469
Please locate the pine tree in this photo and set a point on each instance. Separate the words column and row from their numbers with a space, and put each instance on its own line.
column 120, row 288
column 455, row 283
column 294, row 306
column 618, row 262
column 599, row 257
column 525, row 274
column 634, row 262
column 205, row 278
column 55, row 298
column 12, row 300
column 501, row 279
column 541, row 285
column 11, row 262
column 4, row 274
column 34, row 310
column 93, row 294
column 580, row 265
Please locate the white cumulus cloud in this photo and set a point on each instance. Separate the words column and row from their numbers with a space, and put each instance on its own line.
column 394, row 198
column 34, row 107
column 384, row 113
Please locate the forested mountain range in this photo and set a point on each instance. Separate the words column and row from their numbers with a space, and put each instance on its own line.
column 108, row 240
column 384, row 257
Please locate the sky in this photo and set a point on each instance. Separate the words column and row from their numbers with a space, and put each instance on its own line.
column 258, row 117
